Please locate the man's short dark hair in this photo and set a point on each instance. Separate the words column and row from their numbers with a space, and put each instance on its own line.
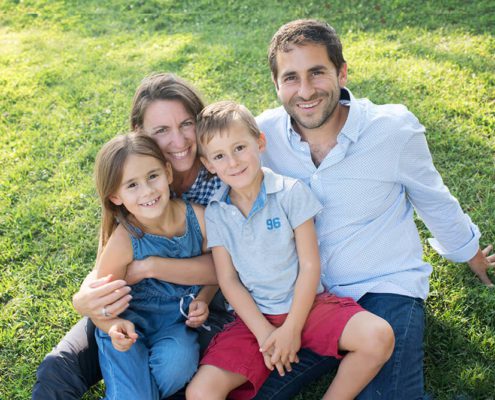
column 302, row 32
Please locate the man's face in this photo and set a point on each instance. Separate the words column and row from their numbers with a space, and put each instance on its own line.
column 308, row 84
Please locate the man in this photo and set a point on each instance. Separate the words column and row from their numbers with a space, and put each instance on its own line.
column 370, row 167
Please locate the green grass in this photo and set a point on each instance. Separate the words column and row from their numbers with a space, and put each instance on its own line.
column 68, row 70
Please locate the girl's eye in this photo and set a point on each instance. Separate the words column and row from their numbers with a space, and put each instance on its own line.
column 240, row 147
column 218, row 157
column 131, row 185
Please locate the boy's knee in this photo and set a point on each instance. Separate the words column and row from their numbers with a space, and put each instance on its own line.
column 195, row 391
column 380, row 341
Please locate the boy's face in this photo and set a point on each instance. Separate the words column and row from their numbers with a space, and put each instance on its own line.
column 234, row 156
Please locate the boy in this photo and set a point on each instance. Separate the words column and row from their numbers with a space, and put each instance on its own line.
column 261, row 231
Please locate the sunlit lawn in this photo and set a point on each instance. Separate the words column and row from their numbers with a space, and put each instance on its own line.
column 68, row 71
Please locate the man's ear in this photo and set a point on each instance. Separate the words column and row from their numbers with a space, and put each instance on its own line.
column 262, row 142
column 207, row 165
column 115, row 200
column 275, row 83
column 343, row 75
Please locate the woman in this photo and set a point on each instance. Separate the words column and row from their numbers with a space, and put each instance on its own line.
column 165, row 108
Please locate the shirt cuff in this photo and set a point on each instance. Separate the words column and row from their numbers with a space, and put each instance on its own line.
column 463, row 254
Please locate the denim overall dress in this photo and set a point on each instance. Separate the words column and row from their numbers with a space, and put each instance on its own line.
column 165, row 356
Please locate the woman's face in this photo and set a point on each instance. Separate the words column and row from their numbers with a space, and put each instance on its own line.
column 169, row 124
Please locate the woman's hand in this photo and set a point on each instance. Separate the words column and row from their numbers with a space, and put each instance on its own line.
column 138, row 270
column 101, row 299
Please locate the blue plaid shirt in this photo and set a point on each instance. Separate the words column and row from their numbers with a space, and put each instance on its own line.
column 202, row 189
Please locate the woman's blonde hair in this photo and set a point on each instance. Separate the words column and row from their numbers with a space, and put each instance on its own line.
column 109, row 167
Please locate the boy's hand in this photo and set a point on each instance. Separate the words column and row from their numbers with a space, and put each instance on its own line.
column 282, row 346
column 198, row 313
column 123, row 335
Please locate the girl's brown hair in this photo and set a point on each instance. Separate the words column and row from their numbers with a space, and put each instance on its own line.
column 109, row 167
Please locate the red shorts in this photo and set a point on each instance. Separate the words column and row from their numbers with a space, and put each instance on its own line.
column 236, row 349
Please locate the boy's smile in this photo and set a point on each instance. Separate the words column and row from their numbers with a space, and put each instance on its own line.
column 235, row 157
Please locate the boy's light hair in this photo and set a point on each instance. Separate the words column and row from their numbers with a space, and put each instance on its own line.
column 217, row 118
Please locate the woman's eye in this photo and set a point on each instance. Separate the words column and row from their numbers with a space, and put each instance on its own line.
column 160, row 131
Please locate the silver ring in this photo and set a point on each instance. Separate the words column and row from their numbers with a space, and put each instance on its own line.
column 105, row 313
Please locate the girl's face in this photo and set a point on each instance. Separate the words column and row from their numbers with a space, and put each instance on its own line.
column 144, row 189
column 169, row 124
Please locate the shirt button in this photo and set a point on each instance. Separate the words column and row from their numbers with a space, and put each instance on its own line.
column 314, row 177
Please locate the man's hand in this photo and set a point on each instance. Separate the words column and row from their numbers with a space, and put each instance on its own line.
column 480, row 263
column 282, row 346
column 123, row 334
column 102, row 299
column 198, row 314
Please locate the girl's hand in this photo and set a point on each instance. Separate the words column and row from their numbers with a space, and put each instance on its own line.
column 123, row 334
column 198, row 314
column 101, row 299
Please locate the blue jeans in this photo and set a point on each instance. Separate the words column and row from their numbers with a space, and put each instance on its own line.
column 400, row 378
column 163, row 359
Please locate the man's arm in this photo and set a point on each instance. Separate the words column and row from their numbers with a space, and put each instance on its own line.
column 455, row 236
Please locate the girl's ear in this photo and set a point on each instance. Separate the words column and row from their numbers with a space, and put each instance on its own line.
column 169, row 173
column 208, row 165
column 262, row 142
column 115, row 200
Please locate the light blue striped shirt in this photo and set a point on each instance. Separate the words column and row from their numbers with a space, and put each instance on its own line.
column 369, row 185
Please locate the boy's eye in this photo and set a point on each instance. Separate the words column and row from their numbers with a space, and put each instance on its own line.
column 240, row 147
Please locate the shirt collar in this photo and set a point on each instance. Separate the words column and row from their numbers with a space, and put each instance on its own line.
column 351, row 126
column 272, row 183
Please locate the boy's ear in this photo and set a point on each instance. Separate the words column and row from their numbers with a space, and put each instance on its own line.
column 115, row 200
column 207, row 165
column 262, row 142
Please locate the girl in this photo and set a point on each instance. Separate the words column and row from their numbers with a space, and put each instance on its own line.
column 150, row 352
